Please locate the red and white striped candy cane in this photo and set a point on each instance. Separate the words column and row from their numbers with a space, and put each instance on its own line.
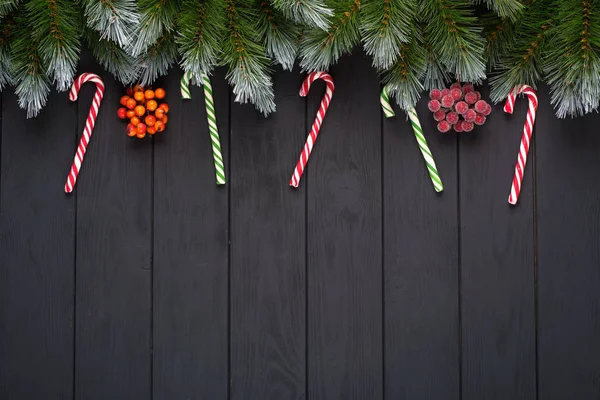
column 89, row 123
column 314, row 131
column 515, row 189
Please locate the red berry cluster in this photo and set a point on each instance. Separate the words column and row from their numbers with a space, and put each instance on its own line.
column 459, row 107
column 145, row 114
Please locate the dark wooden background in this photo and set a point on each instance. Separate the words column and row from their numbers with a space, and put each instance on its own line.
column 150, row 282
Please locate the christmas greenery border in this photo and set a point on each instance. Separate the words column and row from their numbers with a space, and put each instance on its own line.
column 415, row 45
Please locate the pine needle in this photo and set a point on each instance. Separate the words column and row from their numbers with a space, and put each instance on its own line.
column 201, row 29
column 249, row 71
column 385, row 26
column 320, row 49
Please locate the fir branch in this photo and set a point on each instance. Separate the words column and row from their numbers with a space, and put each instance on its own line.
column 455, row 38
column 112, row 57
column 158, row 58
column 313, row 13
column 573, row 64
column 521, row 62
column 56, row 24
column 435, row 74
column 320, row 49
column 157, row 18
column 249, row 72
column 7, row 29
column 28, row 68
column 8, row 6
column 499, row 34
column 200, row 34
column 404, row 78
column 279, row 34
column 510, row 9
column 114, row 20
column 385, row 25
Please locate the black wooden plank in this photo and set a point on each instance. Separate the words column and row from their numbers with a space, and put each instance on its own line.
column 568, row 199
column 268, row 249
column 344, row 238
column 497, row 274
column 114, row 223
column 190, row 250
column 420, row 263
column 36, row 251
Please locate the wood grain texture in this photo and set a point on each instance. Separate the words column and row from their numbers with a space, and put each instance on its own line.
column 344, row 238
column 568, row 211
column 268, row 249
column 420, row 263
column 37, row 259
column 114, row 223
column 150, row 282
column 497, row 251
column 190, row 249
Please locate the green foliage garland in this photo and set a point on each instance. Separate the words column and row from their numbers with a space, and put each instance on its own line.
column 415, row 45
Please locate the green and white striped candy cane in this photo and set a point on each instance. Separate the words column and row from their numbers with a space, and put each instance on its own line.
column 388, row 111
column 212, row 121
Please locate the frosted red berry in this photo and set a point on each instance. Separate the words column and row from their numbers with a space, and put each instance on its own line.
column 480, row 119
column 458, row 107
column 458, row 127
column 461, row 107
column 452, row 117
column 470, row 115
column 456, row 94
column 439, row 115
column 488, row 110
column 471, row 98
column 443, row 126
column 435, row 94
column 434, row 105
column 467, row 88
column 481, row 106
column 447, row 101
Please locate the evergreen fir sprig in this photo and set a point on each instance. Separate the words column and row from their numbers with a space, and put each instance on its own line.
column 573, row 63
column 28, row 68
column 57, row 26
column 114, row 20
column 312, row 13
column 319, row 49
column 499, row 34
column 112, row 57
column 243, row 53
column 7, row 29
column 510, row 9
column 404, row 77
column 521, row 61
column 158, row 59
column 385, row 25
column 279, row 34
column 455, row 38
column 201, row 29
column 7, row 6
column 157, row 18
column 435, row 73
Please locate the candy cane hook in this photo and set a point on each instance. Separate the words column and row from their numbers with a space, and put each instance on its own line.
column 515, row 189
column 314, row 131
column 89, row 124
column 211, row 118
column 388, row 111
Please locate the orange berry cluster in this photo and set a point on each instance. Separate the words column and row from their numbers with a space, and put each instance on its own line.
column 141, row 107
